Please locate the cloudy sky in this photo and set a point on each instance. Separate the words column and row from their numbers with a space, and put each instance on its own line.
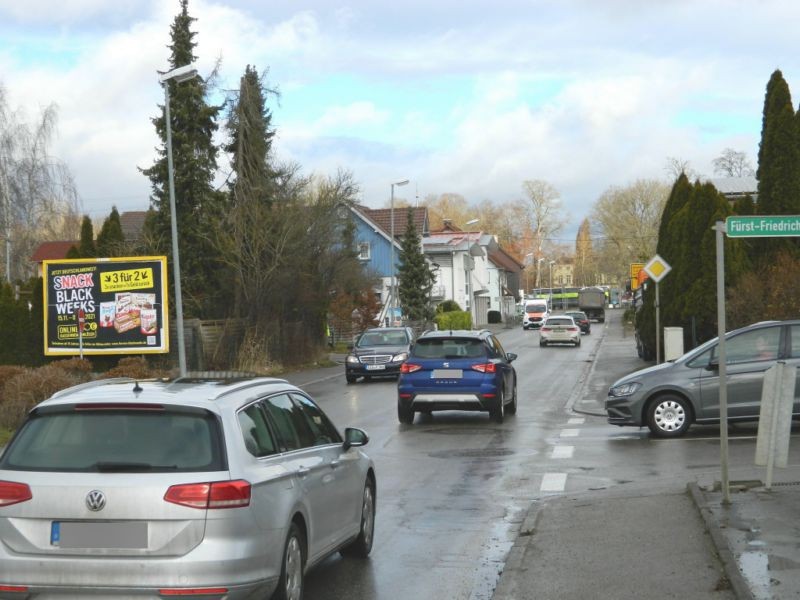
column 465, row 96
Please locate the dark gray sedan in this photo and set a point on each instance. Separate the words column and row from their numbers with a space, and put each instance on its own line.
column 378, row 352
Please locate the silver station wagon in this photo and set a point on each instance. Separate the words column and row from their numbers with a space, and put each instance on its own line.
column 671, row 396
column 200, row 488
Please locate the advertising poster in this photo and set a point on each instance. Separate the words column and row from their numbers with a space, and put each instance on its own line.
column 122, row 301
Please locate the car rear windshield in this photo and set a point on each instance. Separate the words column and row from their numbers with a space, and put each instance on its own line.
column 77, row 440
column 559, row 322
column 449, row 348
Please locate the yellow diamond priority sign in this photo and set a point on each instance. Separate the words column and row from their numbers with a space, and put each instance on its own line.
column 657, row 268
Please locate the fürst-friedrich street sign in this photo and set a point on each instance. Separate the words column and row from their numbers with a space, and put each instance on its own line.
column 766, row 226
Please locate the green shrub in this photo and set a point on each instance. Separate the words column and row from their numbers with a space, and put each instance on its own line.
column 448, row 306
column 454, row 320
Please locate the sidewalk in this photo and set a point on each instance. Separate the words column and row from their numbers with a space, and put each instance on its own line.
column 656, row 544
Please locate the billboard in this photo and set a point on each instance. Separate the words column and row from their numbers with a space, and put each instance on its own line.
column 121, row 301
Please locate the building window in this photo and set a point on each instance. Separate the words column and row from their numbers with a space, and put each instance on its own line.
column 363, row 251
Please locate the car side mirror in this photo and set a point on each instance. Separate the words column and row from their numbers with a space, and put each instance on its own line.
column 511, row 356
column 354, row 437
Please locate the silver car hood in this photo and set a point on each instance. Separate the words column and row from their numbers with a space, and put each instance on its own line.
column 643, row 373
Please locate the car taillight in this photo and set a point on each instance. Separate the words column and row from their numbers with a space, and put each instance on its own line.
column 409, row 367
column 573, row 328
column 546, row 329
column 193, row 592
column 19, row 589
column 14, row 493
column 485, row 368
column 217, row 494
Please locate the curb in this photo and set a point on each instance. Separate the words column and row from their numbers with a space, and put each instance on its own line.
column 506, row 585
column 578, row 394
column 737, row 581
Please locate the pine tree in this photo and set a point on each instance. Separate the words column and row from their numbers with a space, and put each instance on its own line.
column 778, row 164
column 584, row 256
column 415, row 278
column 86, row 248
column 199, row 206
column 110, row 240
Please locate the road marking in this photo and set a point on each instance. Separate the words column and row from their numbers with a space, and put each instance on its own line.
column 576, row 421
column 562, row 451
column 570, row 432
column 553, row 482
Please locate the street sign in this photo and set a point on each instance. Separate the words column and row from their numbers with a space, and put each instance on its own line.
column 763, row 226
column 657, row 268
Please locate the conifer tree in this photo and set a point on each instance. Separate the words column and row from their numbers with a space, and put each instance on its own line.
column 199, row 206
column 415, row 278
column 110, row 240
column 584, row 256
column 86, row 247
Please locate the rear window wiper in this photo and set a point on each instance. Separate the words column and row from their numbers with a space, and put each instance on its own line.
column 107, row 467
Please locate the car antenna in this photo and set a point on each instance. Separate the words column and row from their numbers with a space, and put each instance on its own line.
column 137, row 388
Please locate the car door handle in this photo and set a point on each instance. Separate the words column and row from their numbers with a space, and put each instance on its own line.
column 303, row 471
column 334, row 464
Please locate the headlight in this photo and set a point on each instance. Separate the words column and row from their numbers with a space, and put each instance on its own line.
column 400, row 357
column 625, row 389
column 352, row 359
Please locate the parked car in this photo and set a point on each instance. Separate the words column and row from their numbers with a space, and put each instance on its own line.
column 536, row 311
column 198, row 487
column 581, row 320
column 378, row 352
column 560, row 329
column 671, row 396
column 457, row 370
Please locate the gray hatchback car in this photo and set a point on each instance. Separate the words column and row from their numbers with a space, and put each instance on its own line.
column 671, row 396
column 200, row 487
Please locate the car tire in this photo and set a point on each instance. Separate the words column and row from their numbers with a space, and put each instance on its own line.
column 542, row 343
column 669, row 416
column 578, row 343
column 350, row 378
column 498, row 413
column 511, row 408
column 405, row 414
column 290, row 584
column 362, row 545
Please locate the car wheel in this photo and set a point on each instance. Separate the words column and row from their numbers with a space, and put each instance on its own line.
column 351, row 378
column 669, row 416
column 405, row 414
column 498, row 413
column 290, row 584
column 362, row 545
column 542, row 343
column 512, row 406
column 577, row 343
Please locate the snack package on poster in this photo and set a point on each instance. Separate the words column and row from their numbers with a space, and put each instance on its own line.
column 143, row 300
column 149, row 318
column 107, row 314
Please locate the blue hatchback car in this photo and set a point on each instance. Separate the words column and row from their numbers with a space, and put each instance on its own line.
column 457, row 370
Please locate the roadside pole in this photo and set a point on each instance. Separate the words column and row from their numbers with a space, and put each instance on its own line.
column 658, row 328
column 723, row 384
column 656, row 269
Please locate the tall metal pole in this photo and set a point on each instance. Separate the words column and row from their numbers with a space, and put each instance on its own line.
column 550, row 307
column 723, row 384
column 6, row 215
column 393, row 291
column 176, row 263
column 658, row 328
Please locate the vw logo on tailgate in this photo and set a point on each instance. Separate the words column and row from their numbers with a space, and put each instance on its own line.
column 95, row 500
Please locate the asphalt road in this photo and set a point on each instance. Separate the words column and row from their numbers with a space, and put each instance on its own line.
column 454, row 488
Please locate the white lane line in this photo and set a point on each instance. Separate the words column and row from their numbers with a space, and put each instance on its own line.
column 576, row 421
column 562, row 451
column 553, row 482
column 570, row 432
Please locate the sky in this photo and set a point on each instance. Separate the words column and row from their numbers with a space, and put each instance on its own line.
column 470, row 97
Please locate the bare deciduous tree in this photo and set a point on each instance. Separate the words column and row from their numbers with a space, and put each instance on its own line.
column 543, row 214
column 733, row 164
column 675, row 166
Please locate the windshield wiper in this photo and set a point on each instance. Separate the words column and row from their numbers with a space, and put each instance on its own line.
column 106, row 467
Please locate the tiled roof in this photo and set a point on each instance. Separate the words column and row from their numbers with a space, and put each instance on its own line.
column 504, row 260
column 382, row 217
column 52, row 251
column 132, row 223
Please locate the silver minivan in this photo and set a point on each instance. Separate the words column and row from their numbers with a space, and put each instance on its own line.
column 202, row 487
column 671, row 396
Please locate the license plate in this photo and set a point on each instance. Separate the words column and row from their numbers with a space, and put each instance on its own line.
column 376, row 367
column 106, row 534
column 447, row 374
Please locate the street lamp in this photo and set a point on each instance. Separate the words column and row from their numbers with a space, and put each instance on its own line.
column 179, row 75
column 471, row 222
column 393, row 302
column 538, row 271
column 551, row 284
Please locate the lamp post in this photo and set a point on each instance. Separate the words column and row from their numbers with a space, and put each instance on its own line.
column 179, row 75
column 471, row 222
column 392, row 291
column 538, row 271
column 551, row 284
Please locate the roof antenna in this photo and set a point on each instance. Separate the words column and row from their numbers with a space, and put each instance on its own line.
column 137, row 388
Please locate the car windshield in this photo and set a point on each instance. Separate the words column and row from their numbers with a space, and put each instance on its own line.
column 536, row 308
column 449, row 348
column 382, row 338
column 116, row 441
column 557, row 321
